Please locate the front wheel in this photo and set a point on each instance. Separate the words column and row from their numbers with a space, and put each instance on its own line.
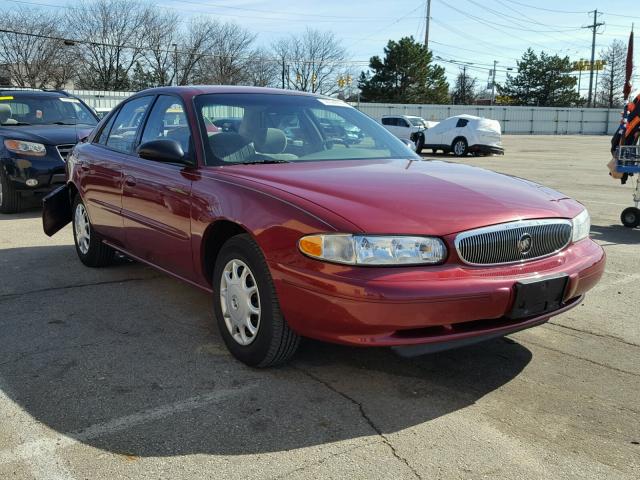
column 246, row 306
column 630, row 217
column 89, row 247
column 419, row 144
column 460, row 147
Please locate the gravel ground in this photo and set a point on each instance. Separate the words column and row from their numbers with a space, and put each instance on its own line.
column 120, row 372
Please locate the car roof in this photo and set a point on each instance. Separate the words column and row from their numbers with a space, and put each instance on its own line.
column 193, row 90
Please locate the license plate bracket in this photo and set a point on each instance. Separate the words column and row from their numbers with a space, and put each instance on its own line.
column 537, row 296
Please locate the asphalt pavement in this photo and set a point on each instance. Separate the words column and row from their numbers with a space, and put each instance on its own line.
column 120, row 372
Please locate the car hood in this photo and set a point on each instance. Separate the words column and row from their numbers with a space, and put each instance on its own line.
column 46, row 134
column 412, row 197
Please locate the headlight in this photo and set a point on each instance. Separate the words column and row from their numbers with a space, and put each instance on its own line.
column 374, row 249
column 26, row 148
column 581, row 225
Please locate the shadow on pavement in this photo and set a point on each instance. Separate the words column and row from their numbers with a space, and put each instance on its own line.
column 617, row 234
column 133, row 364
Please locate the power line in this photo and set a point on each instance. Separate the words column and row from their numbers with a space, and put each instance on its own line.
column 535, row 7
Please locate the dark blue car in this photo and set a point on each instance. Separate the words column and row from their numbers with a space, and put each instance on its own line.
column 38, row 129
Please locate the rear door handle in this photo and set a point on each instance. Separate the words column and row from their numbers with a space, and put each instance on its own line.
column 130, row 181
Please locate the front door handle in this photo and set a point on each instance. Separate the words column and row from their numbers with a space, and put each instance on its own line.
column 130, row 181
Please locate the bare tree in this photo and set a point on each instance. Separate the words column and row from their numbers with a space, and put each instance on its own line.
column 35, row 60
column 612, row 77
column 161, row 33
column 193, row 45
column 263, row 70
column 116, row 35
column 312, row 60
column 465, row 89
column 228, row 58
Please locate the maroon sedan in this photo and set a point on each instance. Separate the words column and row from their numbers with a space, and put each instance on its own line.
column 304, row 217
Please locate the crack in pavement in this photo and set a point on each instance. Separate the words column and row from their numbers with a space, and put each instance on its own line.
column 579, row 357
column 601, row 335
column 364, row 415
column 79, row 285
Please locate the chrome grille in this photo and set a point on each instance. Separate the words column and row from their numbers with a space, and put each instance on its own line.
column 506, row 242
column 64, row 150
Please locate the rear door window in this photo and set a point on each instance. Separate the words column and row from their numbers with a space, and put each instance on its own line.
column 126, row 125
column 462, row 122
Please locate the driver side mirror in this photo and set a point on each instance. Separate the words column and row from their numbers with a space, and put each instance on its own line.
column 166, row 151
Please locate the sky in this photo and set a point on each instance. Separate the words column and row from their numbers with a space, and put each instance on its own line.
column 475, row 32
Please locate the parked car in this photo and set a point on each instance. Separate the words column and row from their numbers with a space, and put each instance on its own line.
column 465, row 134
column 407, row 127
column 37, row 131
column 365, row 245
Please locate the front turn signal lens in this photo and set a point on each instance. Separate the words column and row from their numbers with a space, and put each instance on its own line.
column 311, row 245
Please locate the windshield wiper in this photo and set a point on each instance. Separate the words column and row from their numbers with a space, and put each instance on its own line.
column 254, row 162
column 13, row 124
column 61, row 123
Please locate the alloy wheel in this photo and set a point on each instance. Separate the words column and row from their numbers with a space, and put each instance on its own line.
column 459, row 147
column 240, row 302
column 82, row 228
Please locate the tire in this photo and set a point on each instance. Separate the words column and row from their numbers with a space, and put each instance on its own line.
column 10, row 198
column 419, row 144
column 630, row 217
column 272, row 342
column 459, row 147
column 89, row 247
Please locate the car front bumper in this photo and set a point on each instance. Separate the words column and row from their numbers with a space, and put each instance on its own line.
column 446, row 304
column 48, row 172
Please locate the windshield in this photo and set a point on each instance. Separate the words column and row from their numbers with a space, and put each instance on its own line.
column 416, row 121
column 268, row 128
column 20, row 109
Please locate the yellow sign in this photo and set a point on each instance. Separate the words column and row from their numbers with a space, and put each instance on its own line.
column 586, row 65
column 6, row 98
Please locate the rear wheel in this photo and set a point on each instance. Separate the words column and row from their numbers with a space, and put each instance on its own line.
column 10, row 198
column 89, row 247
column 630, row 217
column 246, row 306
column 460, row 147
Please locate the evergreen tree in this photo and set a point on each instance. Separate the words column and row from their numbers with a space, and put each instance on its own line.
column 542, row 80
column 405, row 75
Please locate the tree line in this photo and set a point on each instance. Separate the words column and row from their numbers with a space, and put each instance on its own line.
column 128, row 45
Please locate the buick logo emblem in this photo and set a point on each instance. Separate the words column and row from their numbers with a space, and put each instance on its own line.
column 524, row 243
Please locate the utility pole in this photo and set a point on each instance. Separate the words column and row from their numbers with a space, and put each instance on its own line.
column 283, row 69
column 426, row 28
column 175, row 64
column 594, row 29
column 464, row 85
column 493, row 83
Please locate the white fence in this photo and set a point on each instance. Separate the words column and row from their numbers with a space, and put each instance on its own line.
column 514, row 120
